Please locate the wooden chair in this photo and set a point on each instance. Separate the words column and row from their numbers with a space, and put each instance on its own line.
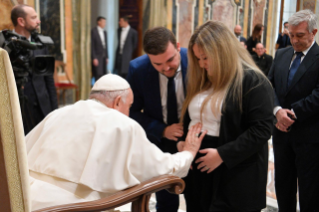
column 63, row 86
column 14, row 171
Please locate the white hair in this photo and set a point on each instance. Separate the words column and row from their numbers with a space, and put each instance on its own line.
column 304, row 16
column 109, row 96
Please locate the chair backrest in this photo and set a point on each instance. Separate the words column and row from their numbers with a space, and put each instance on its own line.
column 14, row 171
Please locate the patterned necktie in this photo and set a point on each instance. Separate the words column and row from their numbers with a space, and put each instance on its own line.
column 172, row 116
column 294, row 67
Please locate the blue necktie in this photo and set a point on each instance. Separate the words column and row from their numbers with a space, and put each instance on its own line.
column 294, row 67
column 172, row 116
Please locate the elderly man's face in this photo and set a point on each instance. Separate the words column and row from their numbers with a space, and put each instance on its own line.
column 260, row 50
column 300, row 38
column 124, row 107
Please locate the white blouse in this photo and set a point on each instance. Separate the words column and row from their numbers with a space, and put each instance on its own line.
column 209, row 121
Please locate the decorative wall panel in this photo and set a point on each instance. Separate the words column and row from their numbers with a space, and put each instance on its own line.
column 51, row 25
column 5, row 11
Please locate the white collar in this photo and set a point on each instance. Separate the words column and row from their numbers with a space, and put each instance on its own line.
column 126, row 28
column 99, row 28
column 307, row 50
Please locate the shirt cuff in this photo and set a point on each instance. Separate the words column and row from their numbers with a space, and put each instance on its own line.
column 276, row 110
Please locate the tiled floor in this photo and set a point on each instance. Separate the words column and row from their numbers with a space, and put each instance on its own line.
column 182, row 206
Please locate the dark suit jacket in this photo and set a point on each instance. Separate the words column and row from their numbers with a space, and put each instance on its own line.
column 242, row 39
column 251, row 44
column 283, row 41
column 264, row 62
column 302, row 95
column 240, row 181
column 41, row 97
column 129, row 46
column 98, row 52
column 144, row 81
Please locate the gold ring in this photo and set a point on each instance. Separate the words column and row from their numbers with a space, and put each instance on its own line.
column 207, row 168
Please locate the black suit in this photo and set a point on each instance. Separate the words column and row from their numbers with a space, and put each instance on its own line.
column 123, row 60
column 283, row 41
column 98, row 52
column 296, row 152
column 239, row 183
column 41, row 97
column 263, row 62
column 251, row 43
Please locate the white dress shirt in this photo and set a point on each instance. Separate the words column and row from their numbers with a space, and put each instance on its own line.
column 293, row 58
column 209, row 121
column 124, row 33
column 179, row 89
column 101, row 33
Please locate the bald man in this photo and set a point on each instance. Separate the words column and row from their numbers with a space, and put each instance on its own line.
column 262, row 60
column 92, row 149
column 237, row 31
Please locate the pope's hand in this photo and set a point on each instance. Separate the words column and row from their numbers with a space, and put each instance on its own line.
column 180, row 146
column 193, row 142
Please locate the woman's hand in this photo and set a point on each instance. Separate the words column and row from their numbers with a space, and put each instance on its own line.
column 210, row 161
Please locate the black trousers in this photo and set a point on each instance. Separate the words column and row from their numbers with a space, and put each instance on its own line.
column 166, row 202
column 296, row 165
column 118, row 67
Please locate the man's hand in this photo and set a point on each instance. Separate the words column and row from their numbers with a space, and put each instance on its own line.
column 173, row 132
column 210, row 161
column 283, row 119
column 193, row 142
column 95, row 62
column 285, row 32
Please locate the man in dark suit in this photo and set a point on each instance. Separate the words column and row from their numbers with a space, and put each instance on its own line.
column 99, row 53
column 127, row 43
column 262, row 60
column 295, row 78
column 39, row 91
column 237, row 31
column 158, row 83
column 283, row 39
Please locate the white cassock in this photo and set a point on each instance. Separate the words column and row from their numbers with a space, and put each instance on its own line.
column 88, row 151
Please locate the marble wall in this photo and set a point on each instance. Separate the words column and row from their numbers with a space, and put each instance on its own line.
column 183, row 16
column 5, row 10
column 51, row 25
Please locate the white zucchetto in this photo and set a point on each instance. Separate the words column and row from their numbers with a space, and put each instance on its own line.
column 110, row 82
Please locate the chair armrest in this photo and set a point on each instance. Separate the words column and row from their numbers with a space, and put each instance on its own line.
column 139, row 195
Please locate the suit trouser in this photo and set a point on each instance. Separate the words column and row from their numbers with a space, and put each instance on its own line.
column 296, row 163
column 118, row 66
column 100, row 70
column 167, row 202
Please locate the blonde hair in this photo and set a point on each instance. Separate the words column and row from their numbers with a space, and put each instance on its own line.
column 227, row 60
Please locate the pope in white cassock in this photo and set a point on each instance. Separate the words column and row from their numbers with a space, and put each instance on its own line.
column 92, row 149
